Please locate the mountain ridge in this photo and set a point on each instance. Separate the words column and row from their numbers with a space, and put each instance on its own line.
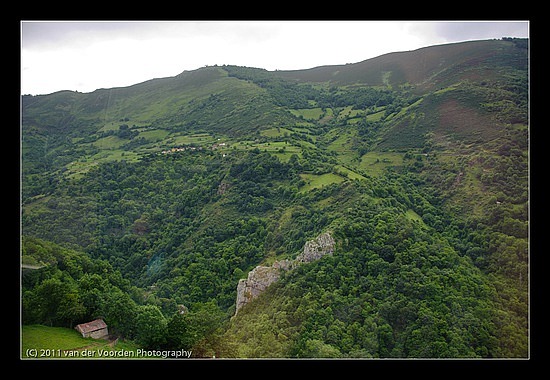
column 430, row 58
column 324, row 72
column 184, row 185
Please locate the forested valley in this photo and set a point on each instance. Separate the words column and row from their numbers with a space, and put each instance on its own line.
column 148, row 213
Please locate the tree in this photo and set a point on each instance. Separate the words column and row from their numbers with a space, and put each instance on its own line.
column 177, row 331
column 70, row 308
column 318, row 349
column 151, row 327
column 92, row 290
column 385, row 340
column 48, row 299
column 203, row 328
column 120, row 311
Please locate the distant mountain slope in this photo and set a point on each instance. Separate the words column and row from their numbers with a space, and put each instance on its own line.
column 427, row 67
column 167, row 102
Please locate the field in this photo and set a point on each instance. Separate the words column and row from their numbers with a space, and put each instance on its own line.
column 43, row 342
column 374, row 163
column 308, row 113
column 314, row 181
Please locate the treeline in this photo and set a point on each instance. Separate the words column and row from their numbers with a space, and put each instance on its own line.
column 70, row 288
column 287, row 93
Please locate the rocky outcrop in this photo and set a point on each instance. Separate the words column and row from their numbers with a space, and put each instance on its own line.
column 258, row 280
column 315, row 249
column 262, row 276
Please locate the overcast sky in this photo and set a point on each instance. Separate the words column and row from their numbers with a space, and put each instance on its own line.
column 85, row 56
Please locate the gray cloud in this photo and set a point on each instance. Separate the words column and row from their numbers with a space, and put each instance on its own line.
column 45, row 35
column 468, row 30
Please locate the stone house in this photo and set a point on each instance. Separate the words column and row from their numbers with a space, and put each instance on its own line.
column 96, row 329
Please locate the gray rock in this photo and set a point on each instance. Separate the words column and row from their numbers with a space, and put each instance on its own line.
column 262, row 276
column 315, row 249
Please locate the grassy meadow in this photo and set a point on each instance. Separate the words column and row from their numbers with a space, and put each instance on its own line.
column 44, row 342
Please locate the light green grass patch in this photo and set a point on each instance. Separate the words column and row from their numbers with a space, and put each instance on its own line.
column 412, row 215
column 375, row 116
column 314, row 181
column 308, row 113
column 110, row 127
column 44, row 342
column 349, row 112
column 154, row 135
column 301, row 129
column 276, row 132
column 280, row 149
column 342, row 145
column 447, row 89
column 52, row 338
column 109, row 142
column 348, row 172
column 195, row 139
column 115, row 155
column 374, row 163
column 354, row 120
column 77, row 169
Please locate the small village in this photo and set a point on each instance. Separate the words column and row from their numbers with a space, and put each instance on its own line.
column 192, row 148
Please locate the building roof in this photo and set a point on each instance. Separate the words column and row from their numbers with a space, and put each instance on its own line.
column 96, row 324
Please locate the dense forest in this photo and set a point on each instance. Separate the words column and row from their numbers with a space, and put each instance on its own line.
column 151, row 221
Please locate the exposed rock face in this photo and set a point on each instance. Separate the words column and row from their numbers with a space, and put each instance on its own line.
column 258, row 279
column 262, row 276
column 315, row 249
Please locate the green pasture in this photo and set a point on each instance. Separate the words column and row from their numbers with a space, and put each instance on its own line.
column 412, row 215
column 154, row 135
column 109, row 142
column 375, row 116
column 348, row 172
column 341, row 144
column 194, row 139
column 80, row 167
column 374, row 163
column 276, row 132
column 44, row 342
column 314, row 181
column 308, row 113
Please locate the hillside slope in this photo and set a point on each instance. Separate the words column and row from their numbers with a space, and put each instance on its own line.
column 427, row 68
column 415, row 162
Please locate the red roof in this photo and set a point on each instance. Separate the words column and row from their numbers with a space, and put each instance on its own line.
column 96, row 324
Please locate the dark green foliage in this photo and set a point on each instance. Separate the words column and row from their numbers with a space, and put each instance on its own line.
column 152, row 327
column 71, row 288
column 432, row 252
column 394, row 289
column 284, row 93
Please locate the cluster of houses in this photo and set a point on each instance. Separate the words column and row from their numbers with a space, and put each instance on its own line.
column 192, row 148
column 181, row 149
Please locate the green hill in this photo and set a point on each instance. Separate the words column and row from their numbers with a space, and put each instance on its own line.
column 177, row 188
column 426, row 68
